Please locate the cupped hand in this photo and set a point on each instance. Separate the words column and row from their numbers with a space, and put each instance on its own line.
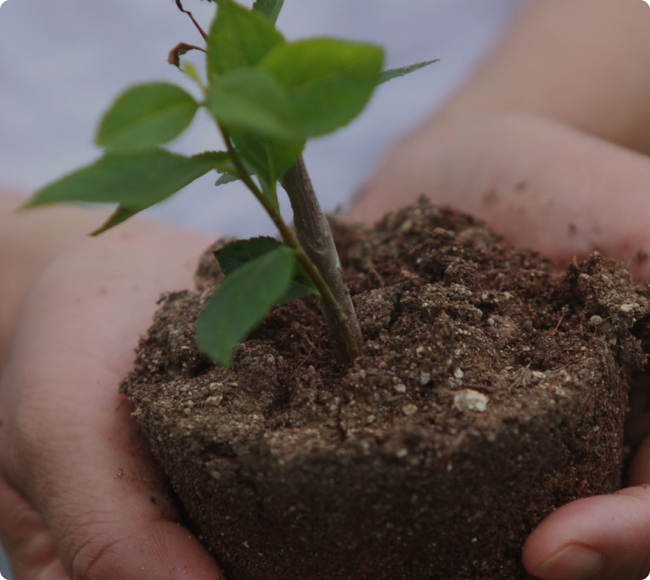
column 544, row 185
column 80, row 496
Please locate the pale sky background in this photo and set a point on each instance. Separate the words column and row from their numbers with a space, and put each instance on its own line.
column 63, row 61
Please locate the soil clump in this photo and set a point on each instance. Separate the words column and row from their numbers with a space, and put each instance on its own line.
column 492, row 388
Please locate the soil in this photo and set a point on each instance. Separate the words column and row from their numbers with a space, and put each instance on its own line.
column 492, row 389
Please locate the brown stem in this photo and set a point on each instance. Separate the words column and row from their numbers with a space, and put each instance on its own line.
column 201, row 31
column 316, row 239
column 344, row 329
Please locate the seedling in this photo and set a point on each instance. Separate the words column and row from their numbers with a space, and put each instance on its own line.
column 267, row 97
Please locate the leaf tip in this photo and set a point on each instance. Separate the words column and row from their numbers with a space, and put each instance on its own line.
column 100, row 230
column 205, row 344
column 24, row 207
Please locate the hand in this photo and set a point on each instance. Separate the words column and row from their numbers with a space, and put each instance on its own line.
column 80, row 495
column 546, row 186
column 77, row 482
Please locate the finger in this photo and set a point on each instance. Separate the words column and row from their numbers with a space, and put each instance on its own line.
column 599, row 538
column 637, row 424
column 26, row 539
column 536, row 182
column 639, row 470
column 72, row 445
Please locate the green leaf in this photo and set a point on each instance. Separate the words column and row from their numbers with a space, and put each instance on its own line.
column 238, row 38
column 270, row 192
column 270, row 8
column 297, row 290
column 388, row 75
column 121, row 214
column 301, row 283
column 241, row 301
column 229, row 173
column 252, row 99
column 329, row 81
column 226, row 178
column 190, row 70
column 256, row 112
column 235, row 254
column 238, row 253
column 137, row 180
column 269, row 158
column 146, row 116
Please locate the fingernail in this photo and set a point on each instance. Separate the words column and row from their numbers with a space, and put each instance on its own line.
column 571, row 563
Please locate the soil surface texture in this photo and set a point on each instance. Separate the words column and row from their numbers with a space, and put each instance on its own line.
column 492, row 388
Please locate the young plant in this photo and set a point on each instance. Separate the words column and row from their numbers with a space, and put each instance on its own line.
column 267, row 96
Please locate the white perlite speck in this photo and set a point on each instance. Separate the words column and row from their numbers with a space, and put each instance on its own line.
column 629, row 307
column 425, row 378
column 409, row 409
column 400, row 388
column 458, row 373
column 470, row 400
column 214, row 399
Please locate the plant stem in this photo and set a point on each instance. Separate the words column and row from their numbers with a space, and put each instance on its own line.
column 317, row 241
column 343, row 328
column 201, row 31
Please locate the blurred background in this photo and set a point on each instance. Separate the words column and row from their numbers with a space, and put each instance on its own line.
column 62, row 63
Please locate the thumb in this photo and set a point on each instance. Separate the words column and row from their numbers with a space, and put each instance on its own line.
column 599, row 538
column 604, row 538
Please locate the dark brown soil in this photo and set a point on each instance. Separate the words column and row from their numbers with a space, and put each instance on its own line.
column 491, row 390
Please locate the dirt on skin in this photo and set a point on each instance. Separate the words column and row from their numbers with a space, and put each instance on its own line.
column 492, row 389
